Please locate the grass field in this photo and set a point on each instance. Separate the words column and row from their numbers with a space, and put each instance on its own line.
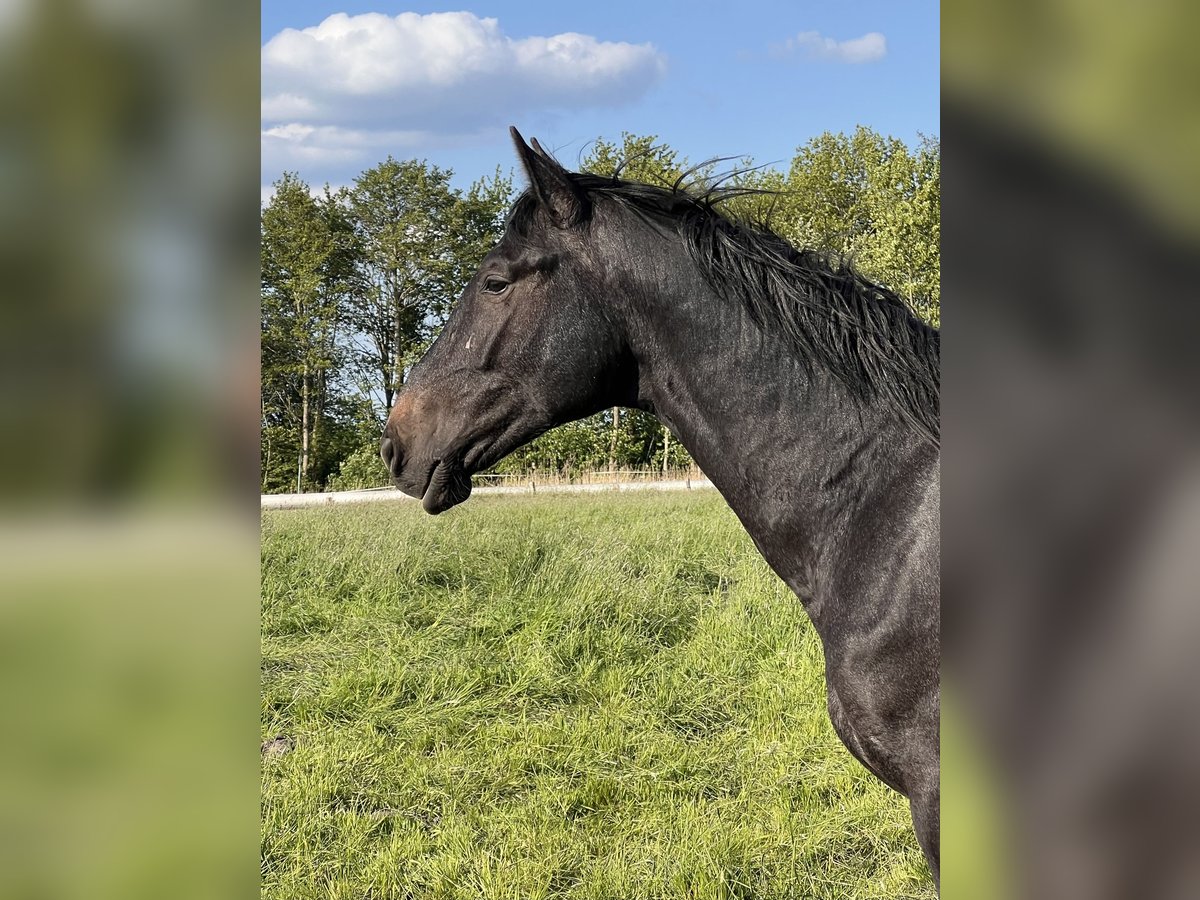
column 583, row 697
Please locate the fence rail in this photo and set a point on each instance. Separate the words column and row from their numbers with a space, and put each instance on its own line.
column 587, row 476
column 517, row 485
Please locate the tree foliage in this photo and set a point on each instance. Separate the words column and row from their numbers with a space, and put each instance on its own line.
column 417, row 241
column 306, row 260
column 871, row 199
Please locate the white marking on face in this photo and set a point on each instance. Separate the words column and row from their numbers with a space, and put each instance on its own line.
column 469, row 341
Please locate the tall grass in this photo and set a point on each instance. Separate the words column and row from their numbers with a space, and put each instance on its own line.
column 556, row 696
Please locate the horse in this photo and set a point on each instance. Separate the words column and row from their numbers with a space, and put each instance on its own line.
column 808, row 394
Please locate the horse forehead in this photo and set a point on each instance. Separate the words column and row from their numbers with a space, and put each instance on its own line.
column 513, row 251
column 525, row 255
column 503, row 251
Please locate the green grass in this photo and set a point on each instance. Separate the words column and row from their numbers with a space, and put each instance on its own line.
column 603, row 696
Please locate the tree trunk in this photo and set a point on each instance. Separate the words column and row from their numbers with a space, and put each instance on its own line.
column 666, row 449
column 302, row 474
column 387, row 370
column 612, row 446
column 265, row 465
column 394, row 377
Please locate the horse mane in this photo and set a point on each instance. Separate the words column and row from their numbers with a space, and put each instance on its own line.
column 865, row 334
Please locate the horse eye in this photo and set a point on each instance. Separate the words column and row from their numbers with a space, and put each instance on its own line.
column 495, row 285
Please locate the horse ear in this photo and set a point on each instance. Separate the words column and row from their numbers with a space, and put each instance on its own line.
column 550, row 182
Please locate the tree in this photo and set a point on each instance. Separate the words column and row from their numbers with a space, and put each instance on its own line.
column 306, row 265
column 637, row 158
column 869, row 198
column 417, row 241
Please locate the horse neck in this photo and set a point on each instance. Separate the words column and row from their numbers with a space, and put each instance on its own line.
column 795, row 455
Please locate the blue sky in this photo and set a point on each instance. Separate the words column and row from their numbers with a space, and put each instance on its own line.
column 754, row 78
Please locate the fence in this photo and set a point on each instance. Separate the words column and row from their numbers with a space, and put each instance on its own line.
column 554, row 477
column 528, row 483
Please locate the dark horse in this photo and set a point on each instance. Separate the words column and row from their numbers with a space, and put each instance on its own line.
column 806, row 393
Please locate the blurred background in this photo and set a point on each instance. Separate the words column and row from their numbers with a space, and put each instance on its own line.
column 128, row 529
column 128, row 541
column 1071, row 134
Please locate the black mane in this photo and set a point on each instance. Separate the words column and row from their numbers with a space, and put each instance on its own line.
column 864, row 333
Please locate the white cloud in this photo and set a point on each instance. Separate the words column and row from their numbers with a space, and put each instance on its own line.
column 442, row 73
column 298, row 146
column 871, row 47
column 283, row 107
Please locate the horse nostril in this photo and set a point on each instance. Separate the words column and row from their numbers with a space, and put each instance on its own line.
column 387, row 452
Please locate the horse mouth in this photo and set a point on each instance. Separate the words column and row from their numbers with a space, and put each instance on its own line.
column 449, row 485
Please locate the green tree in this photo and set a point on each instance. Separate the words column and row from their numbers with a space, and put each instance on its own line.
column 306, row 267
column 869, row 198
column 417, row 241
column 637, row 158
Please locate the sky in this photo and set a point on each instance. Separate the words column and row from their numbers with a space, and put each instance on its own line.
column 345, row 83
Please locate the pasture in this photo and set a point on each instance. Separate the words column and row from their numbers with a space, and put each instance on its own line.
column 600, row 696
